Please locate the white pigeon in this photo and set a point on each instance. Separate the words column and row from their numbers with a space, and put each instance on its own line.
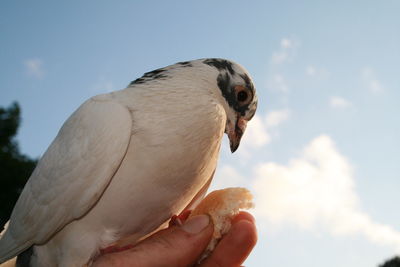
column 126, row 161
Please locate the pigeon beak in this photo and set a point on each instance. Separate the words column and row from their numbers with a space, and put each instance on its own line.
column 236, row 134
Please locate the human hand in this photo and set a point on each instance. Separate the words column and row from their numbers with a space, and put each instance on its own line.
column 183, row 245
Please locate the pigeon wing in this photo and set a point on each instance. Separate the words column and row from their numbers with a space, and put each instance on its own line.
column 71, row 176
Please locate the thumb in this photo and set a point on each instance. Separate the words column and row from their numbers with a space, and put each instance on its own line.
column 175, row 246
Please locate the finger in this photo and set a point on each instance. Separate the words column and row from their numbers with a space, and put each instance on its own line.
column 175, row 246
column 243, row 215
column 235, row 246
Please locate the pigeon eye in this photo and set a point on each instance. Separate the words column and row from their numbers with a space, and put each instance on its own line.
column 243, row 95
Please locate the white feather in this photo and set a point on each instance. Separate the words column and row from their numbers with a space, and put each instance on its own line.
column 71, row 175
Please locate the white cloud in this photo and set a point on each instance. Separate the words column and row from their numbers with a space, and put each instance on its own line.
column 34, row 67
column 255, row 137
column 313, row 71
column 369, row 78
column 277, row 82
column 256, row 134
column 279, row 57
column 375, row 86
column 276, row 117
column 286, row 43
column 286, row 51
column 317, row 190
column 261, row 130
column 339, row 102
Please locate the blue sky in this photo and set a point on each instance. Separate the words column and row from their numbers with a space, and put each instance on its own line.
column 321, row 156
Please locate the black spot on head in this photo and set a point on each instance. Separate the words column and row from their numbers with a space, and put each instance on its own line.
column 185, row 64
column 220, row 64
column 150, row 76
column 137, row 81
column 228, row 91
column 223, row 81
column 247, row 81
column 155, row 74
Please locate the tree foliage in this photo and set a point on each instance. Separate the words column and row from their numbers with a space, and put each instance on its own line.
column 393, row 262
column 15, row 168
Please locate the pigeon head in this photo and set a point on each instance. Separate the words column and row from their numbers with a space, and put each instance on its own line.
column 233, row 83
column 239, row 93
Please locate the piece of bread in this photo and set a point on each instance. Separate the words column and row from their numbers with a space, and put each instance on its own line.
column 222, row 205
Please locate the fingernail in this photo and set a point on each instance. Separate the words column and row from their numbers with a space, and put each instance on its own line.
column 195, row 224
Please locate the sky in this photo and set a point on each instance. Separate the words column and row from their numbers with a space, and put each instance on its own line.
column 321, row 155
